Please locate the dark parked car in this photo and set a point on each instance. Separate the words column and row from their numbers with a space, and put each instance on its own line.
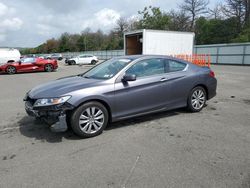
column 118, row 89
column 29, row 64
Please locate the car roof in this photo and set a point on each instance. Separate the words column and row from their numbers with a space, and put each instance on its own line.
column 137, row 57
column 134, row 57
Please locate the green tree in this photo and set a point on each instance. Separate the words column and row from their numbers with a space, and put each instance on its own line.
column 215, row 31
column 64, row 43
column 51, row 46
column 244, row 36
column 153, row 18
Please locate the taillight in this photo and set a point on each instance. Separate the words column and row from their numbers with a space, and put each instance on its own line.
column 211, row 73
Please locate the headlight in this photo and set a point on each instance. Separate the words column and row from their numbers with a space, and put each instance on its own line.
column 51, row 101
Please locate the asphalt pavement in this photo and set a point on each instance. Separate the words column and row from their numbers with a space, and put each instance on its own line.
column 169, row 149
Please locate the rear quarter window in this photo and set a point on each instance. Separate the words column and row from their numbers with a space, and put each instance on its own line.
column 173, row 66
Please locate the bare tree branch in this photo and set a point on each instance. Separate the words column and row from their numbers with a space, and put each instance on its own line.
column 180, row 21
column 237, row 9
column 122, row 25
column 194, row 8
column 216, row 12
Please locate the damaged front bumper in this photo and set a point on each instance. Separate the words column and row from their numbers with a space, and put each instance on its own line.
column 54, row 115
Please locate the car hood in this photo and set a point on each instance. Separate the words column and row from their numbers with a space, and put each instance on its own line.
column 62, row 86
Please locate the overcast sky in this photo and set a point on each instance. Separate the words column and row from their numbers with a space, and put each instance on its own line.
column 29, row 23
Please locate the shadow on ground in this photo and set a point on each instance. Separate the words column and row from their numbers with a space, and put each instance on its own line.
column 146, row 118
column 39, row 130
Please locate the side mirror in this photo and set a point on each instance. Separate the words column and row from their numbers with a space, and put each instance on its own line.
column 129, row 77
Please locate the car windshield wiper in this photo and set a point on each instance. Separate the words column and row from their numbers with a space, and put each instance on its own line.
column 86, row 76
column 80, row 74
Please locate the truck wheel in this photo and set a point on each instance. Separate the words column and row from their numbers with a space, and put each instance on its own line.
column 11, row 70
column 197, row 99
column 89, row 119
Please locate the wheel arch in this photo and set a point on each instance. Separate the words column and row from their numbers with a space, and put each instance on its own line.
column 10, row 61
column 104, row 103
column 74, row 61
column 203, row 86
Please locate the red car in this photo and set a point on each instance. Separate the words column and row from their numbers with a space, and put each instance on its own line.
column 29, row 65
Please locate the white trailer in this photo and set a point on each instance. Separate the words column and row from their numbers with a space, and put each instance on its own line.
column 9, row 55
column 158, row 42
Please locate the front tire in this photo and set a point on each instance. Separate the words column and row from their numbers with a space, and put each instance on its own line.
column 197, row 99
column 11, row 69
column 48, row 68
column 93, row 62
column 89, row 119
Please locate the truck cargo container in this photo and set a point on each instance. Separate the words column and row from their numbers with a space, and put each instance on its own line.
column 8, row 55
column 158, row 42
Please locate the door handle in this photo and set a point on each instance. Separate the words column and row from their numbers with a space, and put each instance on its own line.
column 163, row 79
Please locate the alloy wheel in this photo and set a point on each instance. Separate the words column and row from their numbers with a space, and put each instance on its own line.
column 11, row 70
column 91, row 120
column 198, row 99
column 48, row 68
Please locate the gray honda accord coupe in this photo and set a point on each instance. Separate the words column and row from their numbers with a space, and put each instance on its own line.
column 120, row 88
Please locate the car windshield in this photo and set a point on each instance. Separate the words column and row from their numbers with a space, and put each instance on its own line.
column 107, row 69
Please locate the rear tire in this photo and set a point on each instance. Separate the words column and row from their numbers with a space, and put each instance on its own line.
column 89, row 119
column 73, row 63
column 48, row 68
column 197, row 99
column 11, row 69
column 93, row 62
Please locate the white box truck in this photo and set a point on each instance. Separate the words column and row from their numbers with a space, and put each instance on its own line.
column 9, row 55
column 158, row 42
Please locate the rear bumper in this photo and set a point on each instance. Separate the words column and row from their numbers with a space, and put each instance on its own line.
column 211, row 95
column 212, row 87
column 2, row 70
